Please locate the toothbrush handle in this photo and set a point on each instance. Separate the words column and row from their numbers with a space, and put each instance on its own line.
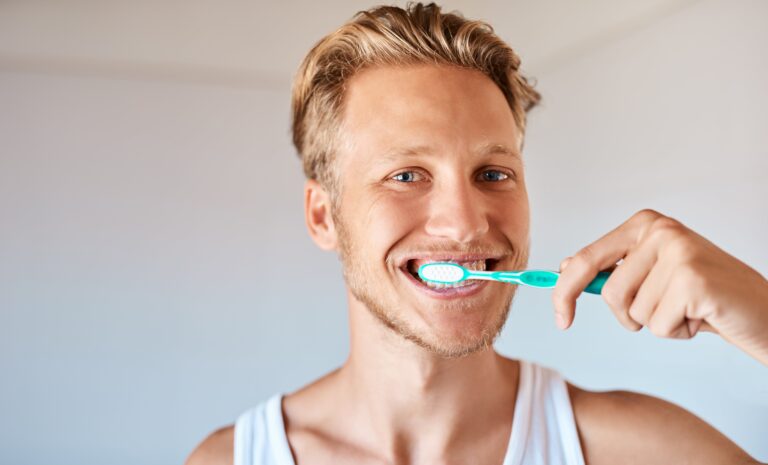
column 511, row 277
column 596, row 286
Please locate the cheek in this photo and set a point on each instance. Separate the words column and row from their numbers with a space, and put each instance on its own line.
column 389, row 219
column 512, row 215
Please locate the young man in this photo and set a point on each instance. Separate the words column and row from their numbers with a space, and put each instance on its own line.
column 410, row 125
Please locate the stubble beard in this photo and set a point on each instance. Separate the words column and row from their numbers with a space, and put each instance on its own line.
column 360, row 283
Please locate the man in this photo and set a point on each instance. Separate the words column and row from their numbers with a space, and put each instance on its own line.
column 410, row 124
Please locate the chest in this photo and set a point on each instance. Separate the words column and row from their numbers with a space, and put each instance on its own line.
column 316, row 448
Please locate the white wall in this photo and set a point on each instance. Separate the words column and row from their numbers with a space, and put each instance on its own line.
column 149, row 230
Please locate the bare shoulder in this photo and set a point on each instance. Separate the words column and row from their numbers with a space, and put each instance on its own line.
column 216, row 449
column 628, row 427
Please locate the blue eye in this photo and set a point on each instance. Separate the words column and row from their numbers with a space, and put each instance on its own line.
column 493, row 176
column 405, row 176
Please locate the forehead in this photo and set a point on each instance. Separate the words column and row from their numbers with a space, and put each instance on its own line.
column 445, row 108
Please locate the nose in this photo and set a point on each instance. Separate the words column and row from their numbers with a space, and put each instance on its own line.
column 457, row 212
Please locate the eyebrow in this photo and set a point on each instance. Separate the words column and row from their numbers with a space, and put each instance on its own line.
column 483, row 150
column 491, row 149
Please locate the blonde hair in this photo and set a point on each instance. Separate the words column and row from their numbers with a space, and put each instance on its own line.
column 392, row 36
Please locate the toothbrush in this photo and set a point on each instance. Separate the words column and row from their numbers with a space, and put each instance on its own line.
column 452, row 273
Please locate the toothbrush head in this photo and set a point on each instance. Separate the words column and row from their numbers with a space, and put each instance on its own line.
column 443, row 273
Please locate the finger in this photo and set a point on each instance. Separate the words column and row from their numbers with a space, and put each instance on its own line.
column 566, row 261
column 648, row 297
column 622, row 287
column 668, row 320
column 582, row 268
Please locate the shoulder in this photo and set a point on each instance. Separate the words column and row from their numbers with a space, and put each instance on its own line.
column 628, row 427
column 216, row 449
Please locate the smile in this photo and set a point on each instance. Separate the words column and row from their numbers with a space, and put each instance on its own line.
column 448, row 291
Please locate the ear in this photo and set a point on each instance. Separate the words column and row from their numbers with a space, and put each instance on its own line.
column 317, row 213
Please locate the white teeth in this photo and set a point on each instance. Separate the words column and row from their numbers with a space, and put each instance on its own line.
column 477, row 265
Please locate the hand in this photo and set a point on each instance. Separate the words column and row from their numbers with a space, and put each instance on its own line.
column 672, row 281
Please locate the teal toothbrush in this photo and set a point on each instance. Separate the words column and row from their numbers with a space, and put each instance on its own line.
column 452, row 273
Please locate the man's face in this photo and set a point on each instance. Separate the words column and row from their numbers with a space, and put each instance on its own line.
column 430, row 170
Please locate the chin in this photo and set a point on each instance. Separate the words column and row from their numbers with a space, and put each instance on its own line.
column 461, row 333
column 460, row 345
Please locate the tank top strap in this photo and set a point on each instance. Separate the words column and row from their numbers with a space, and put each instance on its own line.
column 543, row 427
column 260, row 437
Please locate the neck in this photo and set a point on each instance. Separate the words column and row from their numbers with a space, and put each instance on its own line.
column 418, row 401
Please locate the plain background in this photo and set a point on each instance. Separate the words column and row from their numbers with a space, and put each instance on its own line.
column 156, row 279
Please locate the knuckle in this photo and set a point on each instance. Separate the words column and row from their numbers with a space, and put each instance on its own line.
column 665, row 229
column 584, row 259
column 647, row 215
column 667, row 223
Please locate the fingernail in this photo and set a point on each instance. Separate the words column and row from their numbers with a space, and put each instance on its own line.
column 560, row 321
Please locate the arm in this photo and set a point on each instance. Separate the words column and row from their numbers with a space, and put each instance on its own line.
column 630, row 428
column 216, row 449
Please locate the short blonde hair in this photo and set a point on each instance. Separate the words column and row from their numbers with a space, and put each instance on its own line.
column 392, row 36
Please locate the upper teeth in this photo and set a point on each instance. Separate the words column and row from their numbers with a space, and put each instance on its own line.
column 478, row 265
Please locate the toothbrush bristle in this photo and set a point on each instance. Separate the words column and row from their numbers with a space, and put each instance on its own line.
column 443, row 273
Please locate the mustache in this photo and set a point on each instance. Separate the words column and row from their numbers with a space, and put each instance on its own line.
column 453, row 248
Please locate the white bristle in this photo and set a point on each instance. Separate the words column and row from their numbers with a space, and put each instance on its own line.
column 442, row 273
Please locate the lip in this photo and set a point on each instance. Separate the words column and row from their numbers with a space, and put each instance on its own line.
column 447, row 293
column 446, row 257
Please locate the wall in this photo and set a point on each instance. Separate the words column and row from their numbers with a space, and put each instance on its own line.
column 148, row 228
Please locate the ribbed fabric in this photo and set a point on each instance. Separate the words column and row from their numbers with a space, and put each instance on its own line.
column 543, row 427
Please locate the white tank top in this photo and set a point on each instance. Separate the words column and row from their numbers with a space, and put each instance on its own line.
column 543, row 427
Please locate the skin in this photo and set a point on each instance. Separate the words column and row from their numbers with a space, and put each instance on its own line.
column 672, row 281
column 409, row 391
